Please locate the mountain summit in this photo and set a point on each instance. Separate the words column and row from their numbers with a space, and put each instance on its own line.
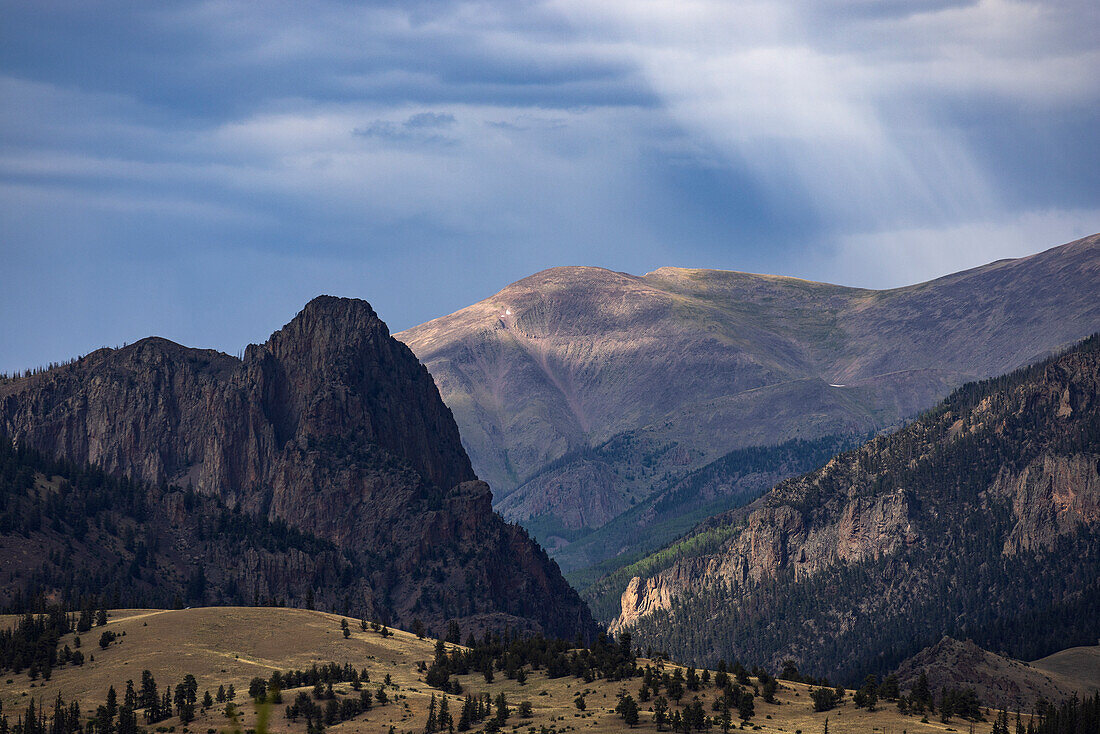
column 581, row 391
column 332, row 426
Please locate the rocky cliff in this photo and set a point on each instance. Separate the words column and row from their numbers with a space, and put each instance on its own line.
column 330, row 425
column 576, row 382
column 927, row 531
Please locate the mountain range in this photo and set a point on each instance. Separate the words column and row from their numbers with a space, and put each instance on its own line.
column 582, row 393
column 729, row 466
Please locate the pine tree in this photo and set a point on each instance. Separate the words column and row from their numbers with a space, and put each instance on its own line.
column 502, row 710
column 469, row 710
column 660, row 706
column 922, row 692
column 628, row 710
column 432, row 726
column 746, row 708
column 446, row 722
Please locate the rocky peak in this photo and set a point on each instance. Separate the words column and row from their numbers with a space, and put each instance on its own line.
column 330, row 425
column 334, row 370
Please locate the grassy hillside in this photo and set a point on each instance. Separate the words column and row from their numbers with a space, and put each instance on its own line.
column 1077, row 668
column 226, row 645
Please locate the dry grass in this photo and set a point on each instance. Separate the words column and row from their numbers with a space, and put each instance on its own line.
column 1076, row 668
column 225, row 645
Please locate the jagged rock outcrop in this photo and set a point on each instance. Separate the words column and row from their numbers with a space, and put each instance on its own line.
column 330, row 425
column 574, row 373
column 980, row 517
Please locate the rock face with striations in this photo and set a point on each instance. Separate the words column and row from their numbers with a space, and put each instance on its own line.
column 330, row 425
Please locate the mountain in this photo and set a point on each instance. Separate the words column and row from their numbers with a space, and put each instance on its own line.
column 999, row 681
column 979, row 520
column 677, row 506
column 579, row 392
column 332, row 427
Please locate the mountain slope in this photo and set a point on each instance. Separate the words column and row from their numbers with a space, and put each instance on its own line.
column 72, row 533
column 979, row 520
column 331, row 426
column 1000, row 681
column 578, row 391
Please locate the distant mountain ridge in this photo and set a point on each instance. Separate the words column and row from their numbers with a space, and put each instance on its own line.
column 331, row 426
column 980, row 520
column 578, row 391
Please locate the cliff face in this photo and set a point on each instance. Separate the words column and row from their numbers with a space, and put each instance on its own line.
column 998, row 486
column 162, row 412
column 776, row 539
column 330, row 425
column 580, row 373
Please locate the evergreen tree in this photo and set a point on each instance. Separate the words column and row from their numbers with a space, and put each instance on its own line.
column 433, row 724
column 745, row 708
column 628, row 710
column 446, row 721
column 660, row 706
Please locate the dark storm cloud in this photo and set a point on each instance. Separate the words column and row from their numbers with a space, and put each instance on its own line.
column 200, row 169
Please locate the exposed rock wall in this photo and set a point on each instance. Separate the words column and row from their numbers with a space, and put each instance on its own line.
column 331, row 425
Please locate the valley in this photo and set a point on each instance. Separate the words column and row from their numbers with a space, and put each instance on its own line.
column 233, row 645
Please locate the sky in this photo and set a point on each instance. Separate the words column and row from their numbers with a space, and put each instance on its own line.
column 200, row 170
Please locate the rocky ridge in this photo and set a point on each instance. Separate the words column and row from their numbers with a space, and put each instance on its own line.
column 999, row 681
column 332, row 426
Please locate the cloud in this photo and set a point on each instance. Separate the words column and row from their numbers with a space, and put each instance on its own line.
column 421, row 127
column 455, row 146
column 905, row 256
column 429, row 120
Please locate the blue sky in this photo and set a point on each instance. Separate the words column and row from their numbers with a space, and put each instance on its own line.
column 200, row 170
